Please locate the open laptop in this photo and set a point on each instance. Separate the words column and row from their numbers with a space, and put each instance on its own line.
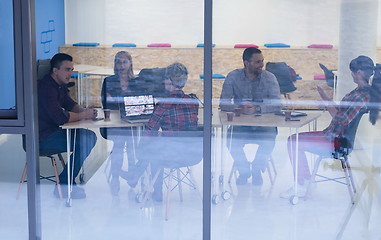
column 137, row 109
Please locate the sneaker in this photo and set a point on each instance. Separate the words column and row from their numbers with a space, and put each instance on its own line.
column 76, row 193
column 302, row 189
column 241, row 180
column 256, row 178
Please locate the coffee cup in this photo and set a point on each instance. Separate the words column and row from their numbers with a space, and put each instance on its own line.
column 230, row 116
column 107, row 113
column 287, row 115
column 237, row 112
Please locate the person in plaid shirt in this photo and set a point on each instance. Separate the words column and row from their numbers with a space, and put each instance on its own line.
column 178, row 144
column 350, row 107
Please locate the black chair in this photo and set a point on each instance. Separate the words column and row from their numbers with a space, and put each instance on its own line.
column 329, row 75
column 45, row 153
column 343, row 146
column 283, row 75
column 152, row 81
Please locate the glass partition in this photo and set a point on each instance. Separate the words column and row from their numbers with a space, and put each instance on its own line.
column 291, row 161
column 14, row 206
column 142, row 174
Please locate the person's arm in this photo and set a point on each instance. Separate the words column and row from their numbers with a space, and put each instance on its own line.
column 329, row 104
column 155, row 122
column 353, row 108
column 227, row 94
column 78, row 113
column 271, row 103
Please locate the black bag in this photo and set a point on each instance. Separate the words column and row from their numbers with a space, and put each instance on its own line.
column 282, row 74
column 152, row 81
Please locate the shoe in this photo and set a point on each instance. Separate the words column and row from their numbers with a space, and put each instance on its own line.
column 256, row 178
column 241, row 180
column 130, row 177
column 114, row 185
column 302, row 189
column 157, row 196
column 76, row 193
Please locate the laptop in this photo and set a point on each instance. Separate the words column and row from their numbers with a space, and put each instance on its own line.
column 137, row 109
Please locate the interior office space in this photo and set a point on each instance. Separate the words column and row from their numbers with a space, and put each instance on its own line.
column 347, row 28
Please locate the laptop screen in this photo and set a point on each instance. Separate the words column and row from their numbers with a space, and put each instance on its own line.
column 138, row 105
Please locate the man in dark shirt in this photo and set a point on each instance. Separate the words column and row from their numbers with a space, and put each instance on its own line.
column 55, row 108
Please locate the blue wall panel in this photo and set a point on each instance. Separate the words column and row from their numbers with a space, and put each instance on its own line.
column 50, row 27
column 7, row 77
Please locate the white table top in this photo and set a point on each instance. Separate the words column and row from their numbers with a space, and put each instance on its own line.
column 219, row 118
column 115, row 121
column 268, row 120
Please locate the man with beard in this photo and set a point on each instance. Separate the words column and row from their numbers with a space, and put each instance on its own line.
column 55, row 108
column 251, row 88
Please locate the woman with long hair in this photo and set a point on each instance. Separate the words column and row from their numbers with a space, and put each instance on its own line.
column 114, row 88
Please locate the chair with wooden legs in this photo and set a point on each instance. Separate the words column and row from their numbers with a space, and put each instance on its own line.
column 50, row 154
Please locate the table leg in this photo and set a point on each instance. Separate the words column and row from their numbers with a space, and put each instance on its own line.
column 294, row 199
column 223, row 150
column 79, row 88
column 215, row 197
column 68, row 139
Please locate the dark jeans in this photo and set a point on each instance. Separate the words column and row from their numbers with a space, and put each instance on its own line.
column 264, row 137
column 121, row 137
column 84, row 142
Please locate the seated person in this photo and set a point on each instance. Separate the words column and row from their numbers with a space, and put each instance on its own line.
column 55, row 108
column 246, row 86
column 114, row 87
column 177, row 145
column 351, row 105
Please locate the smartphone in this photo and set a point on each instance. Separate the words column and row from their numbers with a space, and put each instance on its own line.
column 98, row 119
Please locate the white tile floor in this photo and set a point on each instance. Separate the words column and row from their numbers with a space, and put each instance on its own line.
column 251, row 213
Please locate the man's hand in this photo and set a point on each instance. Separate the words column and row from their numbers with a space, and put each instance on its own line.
column 247, row 107
column 90, row 113
column 84, row 113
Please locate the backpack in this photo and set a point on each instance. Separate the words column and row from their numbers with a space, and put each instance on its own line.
column 151, row 80
column 283, row 75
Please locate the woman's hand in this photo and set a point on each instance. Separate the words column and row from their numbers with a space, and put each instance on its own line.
column 329, row 104
column 322, row 94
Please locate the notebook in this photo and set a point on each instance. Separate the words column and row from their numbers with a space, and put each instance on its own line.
column 136, row 109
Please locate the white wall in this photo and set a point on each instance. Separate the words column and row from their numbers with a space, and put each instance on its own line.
column 180, row 22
